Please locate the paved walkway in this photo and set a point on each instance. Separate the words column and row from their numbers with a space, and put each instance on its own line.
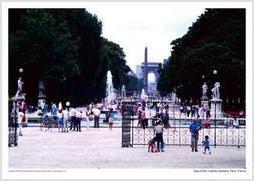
column 101, row 148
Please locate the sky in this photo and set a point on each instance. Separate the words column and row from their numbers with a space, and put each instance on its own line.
column 135, row 25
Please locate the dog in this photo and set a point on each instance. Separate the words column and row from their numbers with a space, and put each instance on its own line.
column 151, row 145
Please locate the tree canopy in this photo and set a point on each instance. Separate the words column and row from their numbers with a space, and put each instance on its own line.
column 216, row 41
column 64, row 48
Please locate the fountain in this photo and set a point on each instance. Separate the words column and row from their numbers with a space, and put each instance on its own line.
column 143, row 95
column 110, row 92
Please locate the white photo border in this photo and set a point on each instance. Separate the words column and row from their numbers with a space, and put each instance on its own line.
column 123, row 173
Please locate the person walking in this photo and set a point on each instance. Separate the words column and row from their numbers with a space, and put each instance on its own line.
column 60, row 121
column 144, row 120
column 206, row 144
column 111, row 117
column 86, row 115
column 96, row 113
column 73, row 118
column 158, row 129
column 20, row 118
column 194, row 128
column 65, row 120
column 78, row 121
column 54, row 113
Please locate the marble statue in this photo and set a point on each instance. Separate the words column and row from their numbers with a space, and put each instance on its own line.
column 216, row 91
column 204, row 88
column 20, row 86
column 41, row 88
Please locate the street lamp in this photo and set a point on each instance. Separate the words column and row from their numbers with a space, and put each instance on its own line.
column 21, row 70
column 215, row 73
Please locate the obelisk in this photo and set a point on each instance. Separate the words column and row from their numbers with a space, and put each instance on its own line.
column 145, row 71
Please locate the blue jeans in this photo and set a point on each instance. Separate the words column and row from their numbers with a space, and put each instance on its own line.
column 96, row 121
column 194, row 142
column 159, row 139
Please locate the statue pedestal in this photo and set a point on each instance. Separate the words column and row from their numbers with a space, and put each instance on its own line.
column 216, row 108
column 205, row 106
column 204, row 102
column 41, row 101
column 19, row 97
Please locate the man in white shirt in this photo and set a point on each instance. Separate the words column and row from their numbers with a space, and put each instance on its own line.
column 96, row 113
column 73, row 118
column 78, row 120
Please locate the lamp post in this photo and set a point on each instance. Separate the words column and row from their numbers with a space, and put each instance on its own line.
column 215, row 73
column 13, row 112
column 203, row 79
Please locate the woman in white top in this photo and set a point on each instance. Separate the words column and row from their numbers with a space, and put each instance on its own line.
column 65, row 120
column 20, row 117
column 84, row 117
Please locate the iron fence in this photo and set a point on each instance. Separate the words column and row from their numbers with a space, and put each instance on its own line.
column 178, row 133
column 12, row 123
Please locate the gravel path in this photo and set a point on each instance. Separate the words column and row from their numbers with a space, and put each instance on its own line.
column 101, row 148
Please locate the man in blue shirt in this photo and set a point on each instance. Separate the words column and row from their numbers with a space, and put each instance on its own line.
column 194, row 129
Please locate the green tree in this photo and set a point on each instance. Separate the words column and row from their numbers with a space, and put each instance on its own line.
column 215, row 41
column 114, row 58
column 64, row 48
column 133, row 84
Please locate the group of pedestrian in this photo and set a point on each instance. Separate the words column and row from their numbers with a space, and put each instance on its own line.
column 194, row 128
column 74, row 116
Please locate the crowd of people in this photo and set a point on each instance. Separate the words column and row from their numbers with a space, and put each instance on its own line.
column 69, row 119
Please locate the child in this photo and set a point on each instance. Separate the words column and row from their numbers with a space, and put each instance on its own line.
column 151, row 145
column 110, row 118
column 206, row 144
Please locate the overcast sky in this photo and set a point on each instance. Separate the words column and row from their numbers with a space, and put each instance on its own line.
column 136, row 25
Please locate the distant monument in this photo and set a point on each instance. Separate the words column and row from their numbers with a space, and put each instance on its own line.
column 41, row 95
column 123, row 91
column 148, row 67
column 145, row 71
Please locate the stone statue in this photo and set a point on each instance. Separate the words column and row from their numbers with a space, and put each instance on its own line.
column 216, row 91
column 20, row 87
column 204, row 88
column 41, row 88
column 123, row 91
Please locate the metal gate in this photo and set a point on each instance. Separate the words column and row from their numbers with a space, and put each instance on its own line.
column 128, row 110
column 179, row 135
column 220, row 132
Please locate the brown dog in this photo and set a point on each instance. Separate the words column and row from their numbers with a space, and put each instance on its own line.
column 151, row 145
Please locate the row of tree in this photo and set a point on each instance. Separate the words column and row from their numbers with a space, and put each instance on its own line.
column 63, row 48
column 216, row 41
